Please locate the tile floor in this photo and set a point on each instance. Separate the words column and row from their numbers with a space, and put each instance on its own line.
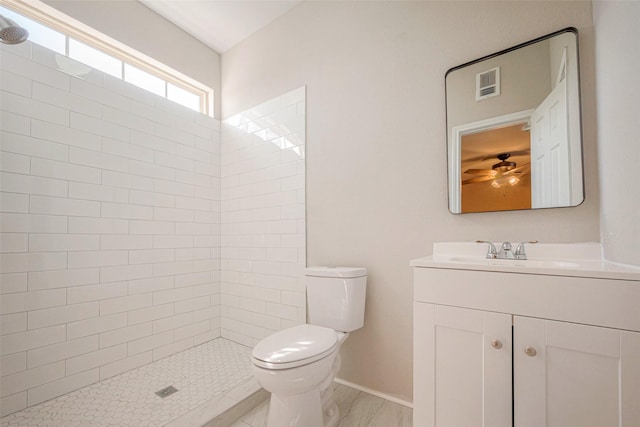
column 215, row 386
column 357, row 409
column 211, row 378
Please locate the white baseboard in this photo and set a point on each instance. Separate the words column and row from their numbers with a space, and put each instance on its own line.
column 375, row 393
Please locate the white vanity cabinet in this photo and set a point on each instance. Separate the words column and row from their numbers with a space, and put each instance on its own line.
column 567, row 374
column 462, row 367
column 501, row 348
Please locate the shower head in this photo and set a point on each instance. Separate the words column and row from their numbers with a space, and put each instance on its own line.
column 10, row 32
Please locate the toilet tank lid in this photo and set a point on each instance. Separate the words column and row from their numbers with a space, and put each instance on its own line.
column 336, row 271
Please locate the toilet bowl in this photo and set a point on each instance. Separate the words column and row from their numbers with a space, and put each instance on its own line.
column 298, row 365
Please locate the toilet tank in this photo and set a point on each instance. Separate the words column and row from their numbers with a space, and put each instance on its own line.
column 335, row 297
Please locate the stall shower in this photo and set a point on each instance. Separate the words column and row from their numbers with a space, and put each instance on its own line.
column 135, row 233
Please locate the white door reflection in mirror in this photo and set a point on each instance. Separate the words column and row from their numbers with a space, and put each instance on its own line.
column 551, row 177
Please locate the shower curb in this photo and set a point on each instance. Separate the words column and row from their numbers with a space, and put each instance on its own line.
column 225, row 409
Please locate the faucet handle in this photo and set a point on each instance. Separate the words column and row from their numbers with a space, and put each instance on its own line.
column 520, row 252
column 492, row 253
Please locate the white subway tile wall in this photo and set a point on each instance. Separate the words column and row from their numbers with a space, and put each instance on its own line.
column 110, row 222
column 263, row 247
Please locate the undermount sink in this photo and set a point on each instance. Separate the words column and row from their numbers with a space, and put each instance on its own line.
column 514, row 262
column 560, row 259
column 541, row 255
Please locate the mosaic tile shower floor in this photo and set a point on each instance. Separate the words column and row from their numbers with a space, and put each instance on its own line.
column 202, row 375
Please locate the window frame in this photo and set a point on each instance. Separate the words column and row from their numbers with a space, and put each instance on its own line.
column 74, row 29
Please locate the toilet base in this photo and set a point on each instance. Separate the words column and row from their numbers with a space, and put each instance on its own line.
column 315, row 408
column 330, row 411
column 296, row 410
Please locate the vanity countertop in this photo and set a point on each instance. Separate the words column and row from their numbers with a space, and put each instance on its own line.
column 554, row 259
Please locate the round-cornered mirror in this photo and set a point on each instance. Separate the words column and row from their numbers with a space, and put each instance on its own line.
column 513, row 128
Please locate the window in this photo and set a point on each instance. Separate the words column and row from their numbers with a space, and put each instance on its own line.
column 66, row 36
column 181, row 96
column 146, row 81
column 94, row 58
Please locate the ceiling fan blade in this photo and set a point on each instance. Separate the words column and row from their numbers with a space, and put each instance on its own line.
column 477, row 179
column 478, row 158
column 484, row 157
column 488, row 172
column 520, row 169
column 512, row 154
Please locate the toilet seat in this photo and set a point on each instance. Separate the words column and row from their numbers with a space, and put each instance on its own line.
column 294, row 347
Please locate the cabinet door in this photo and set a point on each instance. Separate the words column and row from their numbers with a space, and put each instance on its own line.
column 567, row 375
column 462, row 367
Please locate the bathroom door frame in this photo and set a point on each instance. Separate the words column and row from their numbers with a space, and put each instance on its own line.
column 455, row 149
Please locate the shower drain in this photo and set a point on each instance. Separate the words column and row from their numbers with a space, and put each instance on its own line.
column 167, row 391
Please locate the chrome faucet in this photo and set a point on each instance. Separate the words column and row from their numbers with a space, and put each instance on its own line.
column 492, row 253
column 506, row 251
column 520, row 252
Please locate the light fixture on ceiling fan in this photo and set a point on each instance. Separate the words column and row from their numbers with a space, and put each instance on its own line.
column 503, row 165
column 501, row 173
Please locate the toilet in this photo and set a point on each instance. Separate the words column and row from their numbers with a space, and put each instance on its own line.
column 298, row 365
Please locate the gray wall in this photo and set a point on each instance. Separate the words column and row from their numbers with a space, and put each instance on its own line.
column 376, row 143
column 525, row 83
column 618, row 67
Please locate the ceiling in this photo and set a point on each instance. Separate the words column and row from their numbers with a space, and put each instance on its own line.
column 480, row 150
column 220, row 24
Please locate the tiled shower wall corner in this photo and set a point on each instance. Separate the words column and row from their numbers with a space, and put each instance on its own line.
column 110, row 227
column 263, row 219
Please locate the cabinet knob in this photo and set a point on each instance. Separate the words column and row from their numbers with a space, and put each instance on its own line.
column 497, row 344
column 530, row 351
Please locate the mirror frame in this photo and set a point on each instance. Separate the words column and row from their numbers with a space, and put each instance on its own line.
column 454, row 147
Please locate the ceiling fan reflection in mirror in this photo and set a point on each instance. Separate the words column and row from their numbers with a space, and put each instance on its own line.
column 502, row 172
